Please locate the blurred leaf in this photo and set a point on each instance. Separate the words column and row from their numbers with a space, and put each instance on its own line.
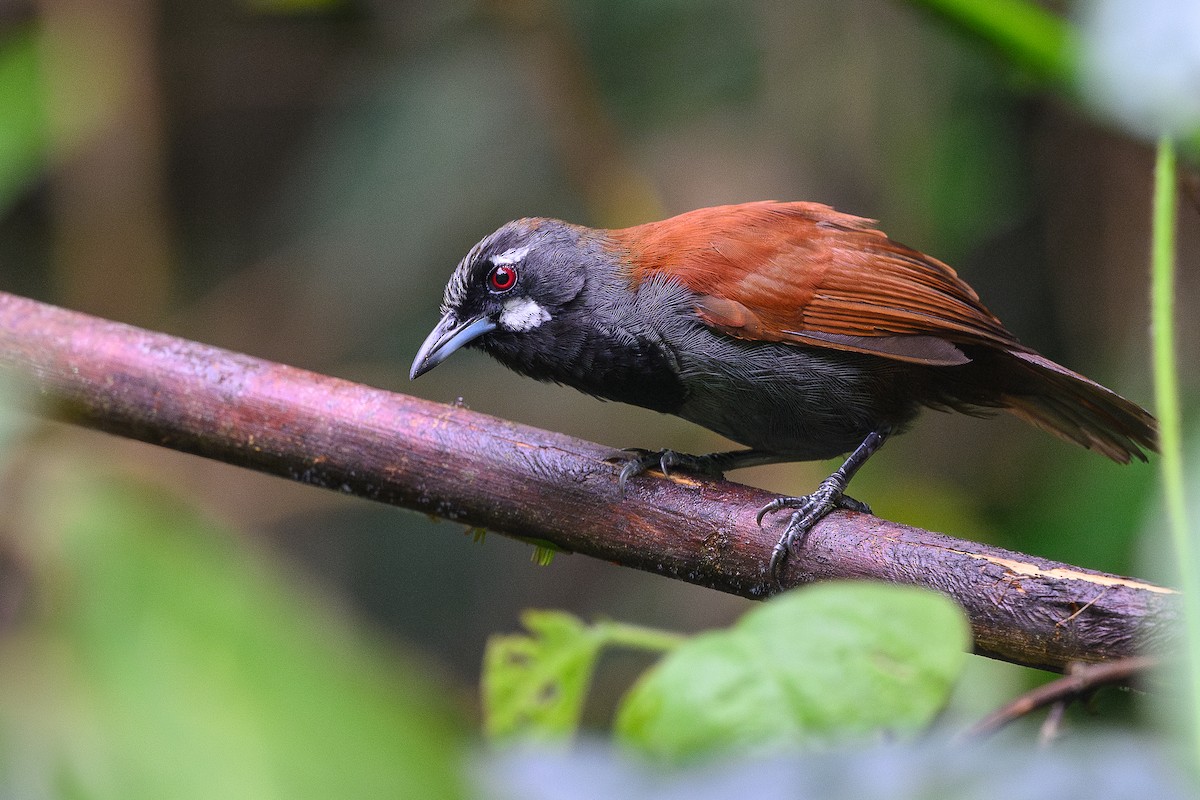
column 535, row 685
column 23, row 132
column 971, row 180
column 826, row 663
column 1026, row 33
column 658, row 60
column 167, row 661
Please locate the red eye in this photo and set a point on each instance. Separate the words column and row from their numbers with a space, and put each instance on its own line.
column 502, row 278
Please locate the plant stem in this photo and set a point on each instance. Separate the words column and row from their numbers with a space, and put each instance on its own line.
column 1166, row 391
column 637, row 637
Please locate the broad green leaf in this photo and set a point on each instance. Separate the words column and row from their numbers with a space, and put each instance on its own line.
column 164, row 658
column 535, row 685
column 831, row 662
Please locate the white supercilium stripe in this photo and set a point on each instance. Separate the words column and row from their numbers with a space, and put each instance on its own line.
column 512, row 256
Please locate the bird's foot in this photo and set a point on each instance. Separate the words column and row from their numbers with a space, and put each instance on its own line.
column 808, row 511
column 638, row 461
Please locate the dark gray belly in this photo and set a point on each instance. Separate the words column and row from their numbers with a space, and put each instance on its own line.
column 809, row 402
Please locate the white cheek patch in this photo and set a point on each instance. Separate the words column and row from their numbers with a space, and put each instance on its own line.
column 522, row 314
column 513, row 256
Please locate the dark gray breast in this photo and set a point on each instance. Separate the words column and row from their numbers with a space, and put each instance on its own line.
column 609, row 341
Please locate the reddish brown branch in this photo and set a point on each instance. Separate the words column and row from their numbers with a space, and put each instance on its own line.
column 522, row 481
column 1084, row 679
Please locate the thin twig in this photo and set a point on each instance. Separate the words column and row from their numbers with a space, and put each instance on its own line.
column 1083, row 679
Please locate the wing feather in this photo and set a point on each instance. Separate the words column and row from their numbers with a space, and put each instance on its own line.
column 805, row 273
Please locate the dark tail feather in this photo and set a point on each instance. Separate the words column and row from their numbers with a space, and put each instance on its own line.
column 1077, row 409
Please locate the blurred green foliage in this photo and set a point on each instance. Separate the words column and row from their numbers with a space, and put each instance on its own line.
column 677, row 58
column 163, row 658
column 1026, row 34
column 23, row 133
column 324, row 164
column 534, row 685
column 823, row 665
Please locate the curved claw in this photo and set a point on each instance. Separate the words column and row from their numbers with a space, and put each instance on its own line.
column 637, row 461
column 809, row 510
column 848, row 503
column 666, row 461
column 775, row 566
column 630, row 470
column 778, row 504
column 829, row 495
column 844, row 502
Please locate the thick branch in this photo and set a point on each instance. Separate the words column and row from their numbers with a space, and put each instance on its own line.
column 526, row 482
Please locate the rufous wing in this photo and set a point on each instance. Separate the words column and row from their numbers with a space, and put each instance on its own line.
column 805, row 273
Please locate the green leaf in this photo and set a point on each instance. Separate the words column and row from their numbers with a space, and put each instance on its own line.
column 1027, row 34
column 23, row 134
column 535, row 685
column 164, row 658
column 828, row 663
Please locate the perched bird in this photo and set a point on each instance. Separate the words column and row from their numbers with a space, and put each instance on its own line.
column 791, row 328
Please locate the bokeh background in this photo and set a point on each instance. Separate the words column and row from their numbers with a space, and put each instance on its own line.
column 296, row 179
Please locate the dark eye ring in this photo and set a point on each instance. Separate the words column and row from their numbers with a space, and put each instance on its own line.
column 502, row 278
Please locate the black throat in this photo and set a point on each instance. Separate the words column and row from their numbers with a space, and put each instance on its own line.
column 605, row 363
column 611, row 342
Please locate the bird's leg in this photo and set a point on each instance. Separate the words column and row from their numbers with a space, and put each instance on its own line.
column 713, row 465
column 809, row 510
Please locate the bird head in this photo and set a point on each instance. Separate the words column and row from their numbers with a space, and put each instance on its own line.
column 509, row 291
